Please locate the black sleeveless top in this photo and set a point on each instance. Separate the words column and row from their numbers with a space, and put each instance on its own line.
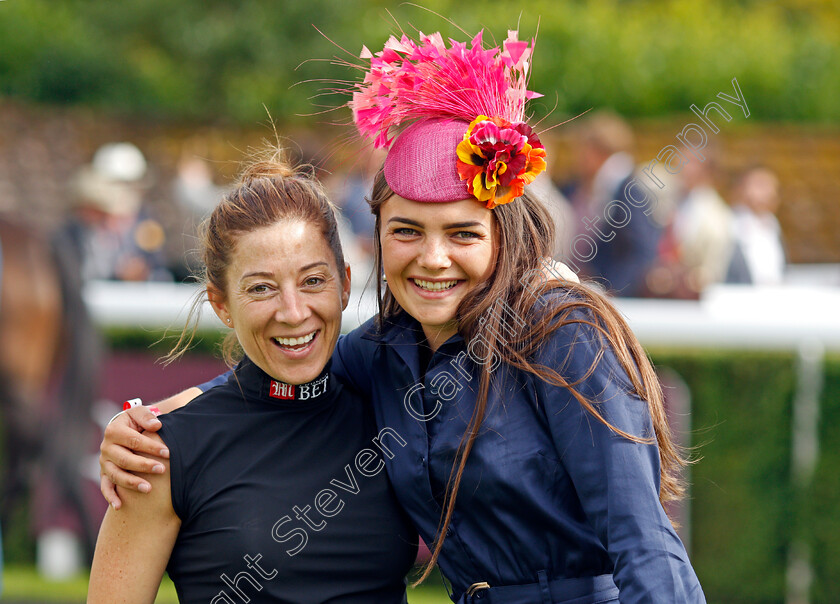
column 283, row 497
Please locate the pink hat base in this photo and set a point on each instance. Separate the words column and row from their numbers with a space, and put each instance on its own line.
column 422, row 163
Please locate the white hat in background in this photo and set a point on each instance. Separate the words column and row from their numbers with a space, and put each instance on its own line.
column 113, row 181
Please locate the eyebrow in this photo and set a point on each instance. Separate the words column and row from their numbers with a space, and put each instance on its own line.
column 453, row 225
column 267, row 274
column 313, row 265
column 255, row 274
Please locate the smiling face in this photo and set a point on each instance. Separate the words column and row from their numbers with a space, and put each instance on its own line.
column 284, row 296
column 433, row 254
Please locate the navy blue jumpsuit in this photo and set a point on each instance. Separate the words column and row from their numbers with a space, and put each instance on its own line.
column 553, row 506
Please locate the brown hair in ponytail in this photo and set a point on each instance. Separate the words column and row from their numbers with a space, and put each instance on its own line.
column 526, row 232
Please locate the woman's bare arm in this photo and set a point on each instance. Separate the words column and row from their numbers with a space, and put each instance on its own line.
column 135, row 543
column 124, row 439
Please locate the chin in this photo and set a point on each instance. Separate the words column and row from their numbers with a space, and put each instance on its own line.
column 435, row 319
column 306, row 374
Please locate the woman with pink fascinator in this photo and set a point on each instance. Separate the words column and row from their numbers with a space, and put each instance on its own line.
column 534, row 454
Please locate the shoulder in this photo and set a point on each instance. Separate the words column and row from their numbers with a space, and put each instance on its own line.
column 364, row 335
column 353, row 353
column 565, row 311
column 205, row 401
column 584, row 341
column 196, row 436
column 150, row 505
column 220, row 379
column 190, row 427
column 580, row 333
column 369, row 332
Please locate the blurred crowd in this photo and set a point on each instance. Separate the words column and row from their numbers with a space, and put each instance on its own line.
column 682, row 236
column 119, row 232
column 115, row 230
column 700, row 227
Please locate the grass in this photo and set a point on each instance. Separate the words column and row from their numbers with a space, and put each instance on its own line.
column 23, row 584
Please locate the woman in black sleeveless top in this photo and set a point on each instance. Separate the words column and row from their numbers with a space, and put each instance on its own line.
column 275, row 490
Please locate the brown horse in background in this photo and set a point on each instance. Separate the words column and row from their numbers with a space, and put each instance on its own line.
column 49, row 360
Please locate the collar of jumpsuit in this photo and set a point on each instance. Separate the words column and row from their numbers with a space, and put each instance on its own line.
column 255, row 382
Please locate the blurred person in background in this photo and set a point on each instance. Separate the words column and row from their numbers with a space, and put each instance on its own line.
column 560, row 210
column 350, row 191
column 355, row 220
column 193, row 187
column 112, row 233
column 49, row 360
column 698, row 246
column 195, row 195
column 702, row 224
column 623, row 244
column 757, row 230
column 555, row 201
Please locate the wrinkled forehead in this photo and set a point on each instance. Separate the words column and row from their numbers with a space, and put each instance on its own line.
column 282, row 246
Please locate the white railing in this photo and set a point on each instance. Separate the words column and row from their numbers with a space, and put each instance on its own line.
column 726, row 317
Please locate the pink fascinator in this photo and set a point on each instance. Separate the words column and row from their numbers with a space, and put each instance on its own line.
column 464, row 108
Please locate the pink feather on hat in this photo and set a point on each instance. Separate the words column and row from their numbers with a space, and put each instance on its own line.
column 408, row 81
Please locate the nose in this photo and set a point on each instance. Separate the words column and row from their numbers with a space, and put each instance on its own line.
column 434, row 255
column 292, row 308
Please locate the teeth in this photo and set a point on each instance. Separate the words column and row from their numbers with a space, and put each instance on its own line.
column 295, row 341
column 435, row 285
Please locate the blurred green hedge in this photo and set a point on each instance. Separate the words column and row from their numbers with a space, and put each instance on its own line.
column 159, row 342
column 741, row 493
column 745, row 511
column 823, row 500
column 213, row 60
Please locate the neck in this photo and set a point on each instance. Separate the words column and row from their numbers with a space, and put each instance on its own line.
column 436, row 336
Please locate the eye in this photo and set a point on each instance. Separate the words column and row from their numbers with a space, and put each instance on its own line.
column 259, row 289
column 467, row 235
column 314, row 281
column 405, row 231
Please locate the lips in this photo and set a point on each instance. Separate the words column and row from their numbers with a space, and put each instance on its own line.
column 295, row 343
column 435, row 286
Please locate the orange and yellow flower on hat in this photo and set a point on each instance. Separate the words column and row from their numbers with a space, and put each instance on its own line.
column 498, row 158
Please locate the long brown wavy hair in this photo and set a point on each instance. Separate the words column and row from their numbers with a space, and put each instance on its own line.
column 525, row 231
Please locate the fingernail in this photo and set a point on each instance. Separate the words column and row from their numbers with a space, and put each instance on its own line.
column 157, row 469
column 164, row 453
column 144, row 488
